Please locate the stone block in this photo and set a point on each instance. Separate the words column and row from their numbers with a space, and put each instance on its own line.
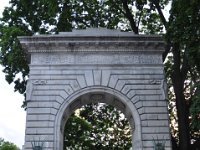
column 151, row 136
column 48, row 145
column 131, row 94
column 162, row 103
column 53, row 111
column 39, row 77
column 148, row 92
column 59, row 99
column 39, row 117
column 149, row 116
column 38, row 131
column 138, row 105
column 149, row 103
column 81, row 81
column 105, row 77
column 120, row 84
column 135, row 99
column 39, row 104
column 43, row 98
column 156, row 130
column 97, row 76
column 63, row 94
column 46, row 93
column 112, row 80
column 141, row 110
column 38, row 111
column 164, row 116
column 149, row 97
column 150, row 143
column 42, row 137
column 89, row 77
column 158, row 123
column 43, row 104
column 41, row 123
column 155, row 110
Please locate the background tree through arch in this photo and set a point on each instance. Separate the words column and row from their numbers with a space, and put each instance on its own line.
column 98, row 126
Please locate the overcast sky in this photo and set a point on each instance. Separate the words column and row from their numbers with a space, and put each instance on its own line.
column 12, row 116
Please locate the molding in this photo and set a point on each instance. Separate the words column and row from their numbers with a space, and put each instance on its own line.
column 92, row 58
column 92, row 40
column 93, row 46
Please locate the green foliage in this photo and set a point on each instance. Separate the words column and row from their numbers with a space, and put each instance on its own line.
column 13, row 58
column 98, row 126
column 26, row 17
column 183, row 63
column 77, row 126
column 195, row 113
column 182, row 28
column 4, row 145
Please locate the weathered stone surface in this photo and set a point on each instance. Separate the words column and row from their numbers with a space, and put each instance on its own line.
column 71, row 69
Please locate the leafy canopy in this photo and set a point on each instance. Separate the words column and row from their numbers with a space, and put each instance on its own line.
column 98, row 126
column 5, row 145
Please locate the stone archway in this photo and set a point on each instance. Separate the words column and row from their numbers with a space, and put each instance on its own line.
column 68, row 66
column 99, row 94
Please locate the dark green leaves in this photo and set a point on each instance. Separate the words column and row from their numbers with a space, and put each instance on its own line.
column 13, row 58
column 4, row 145
column 98, row 126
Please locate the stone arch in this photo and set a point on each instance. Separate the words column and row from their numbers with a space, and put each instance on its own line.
column 110, row 96
column 66, row 67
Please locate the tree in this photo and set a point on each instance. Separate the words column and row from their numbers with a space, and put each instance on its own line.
column 184, row 71
column 99, row 126
column 5, row 145
column 25, row 17
column 180, row 30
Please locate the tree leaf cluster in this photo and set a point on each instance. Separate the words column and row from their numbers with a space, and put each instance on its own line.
column 26, row 17
column 98, row 126
column 5, row 145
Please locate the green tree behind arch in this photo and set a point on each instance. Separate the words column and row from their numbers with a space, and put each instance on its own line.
column 98, row 126
column 180, row 31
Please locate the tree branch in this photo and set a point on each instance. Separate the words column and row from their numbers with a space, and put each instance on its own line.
column 142, row 12
column 129, row 16
column 164, row 21
column 162, row 17
column 177, row 59
column 167, row 50
column 185, row 67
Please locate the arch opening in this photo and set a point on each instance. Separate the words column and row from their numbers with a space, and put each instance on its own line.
column 97, row 126
column 99, row 95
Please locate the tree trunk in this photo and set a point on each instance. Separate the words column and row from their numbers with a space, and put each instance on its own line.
column 181, row 105
column 182, row 112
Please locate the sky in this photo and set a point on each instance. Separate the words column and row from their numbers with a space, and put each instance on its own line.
column 12, row 116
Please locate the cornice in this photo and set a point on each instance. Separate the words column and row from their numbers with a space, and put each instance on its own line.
column 87, row 41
